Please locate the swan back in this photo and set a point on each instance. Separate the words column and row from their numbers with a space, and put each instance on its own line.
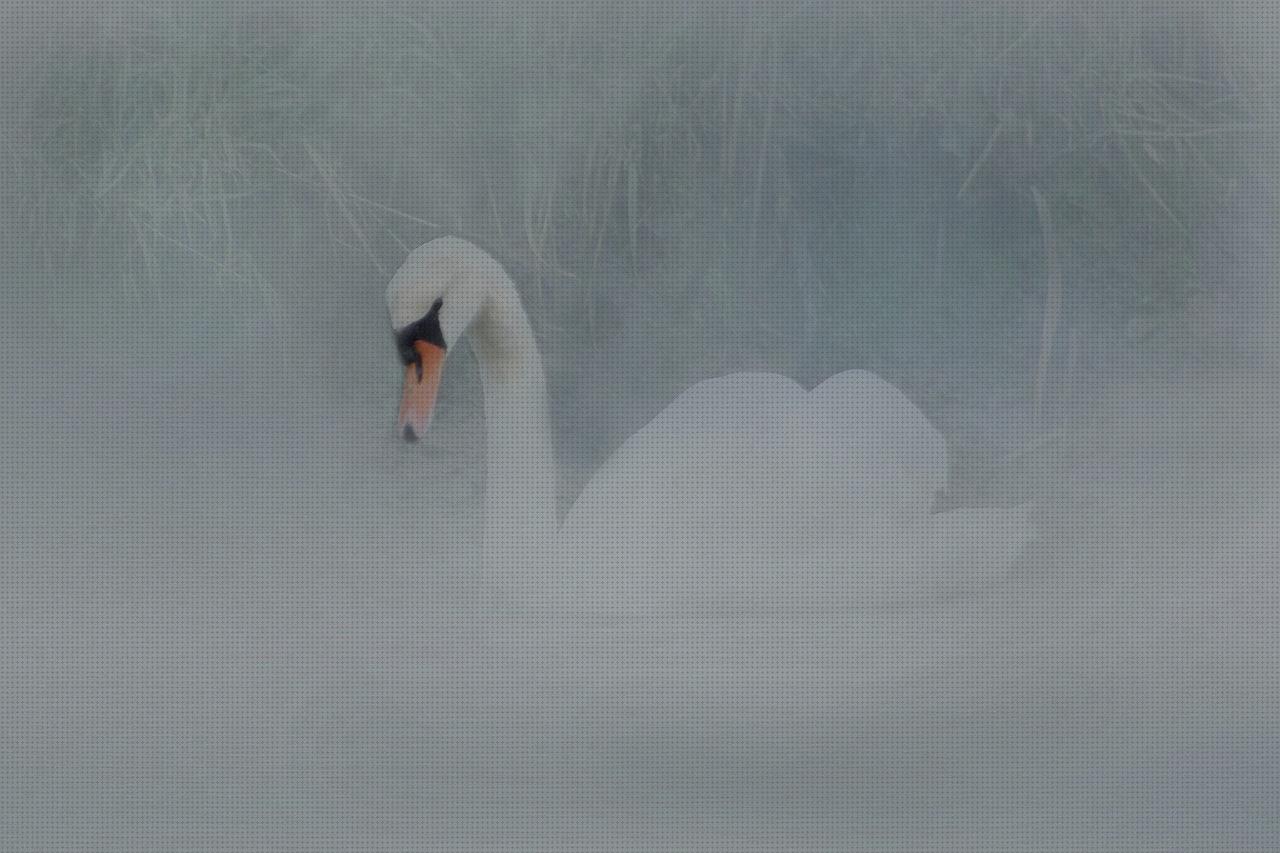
column 748, row 482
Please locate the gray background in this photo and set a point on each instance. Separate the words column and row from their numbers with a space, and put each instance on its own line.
column 237, row 613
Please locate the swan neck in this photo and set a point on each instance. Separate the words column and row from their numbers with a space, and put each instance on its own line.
column 520, row 471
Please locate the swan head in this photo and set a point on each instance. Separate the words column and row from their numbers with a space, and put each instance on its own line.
column 435, row 296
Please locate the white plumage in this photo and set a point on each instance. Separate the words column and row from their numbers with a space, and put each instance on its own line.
column 746, row 492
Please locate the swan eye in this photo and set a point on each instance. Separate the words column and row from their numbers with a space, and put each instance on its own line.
column 427, row 329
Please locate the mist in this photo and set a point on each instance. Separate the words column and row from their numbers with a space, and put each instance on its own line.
column 239, row 612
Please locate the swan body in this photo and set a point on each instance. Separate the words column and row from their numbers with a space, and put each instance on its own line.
column 747, row 490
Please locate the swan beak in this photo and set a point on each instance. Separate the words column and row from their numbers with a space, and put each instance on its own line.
column 421, row 381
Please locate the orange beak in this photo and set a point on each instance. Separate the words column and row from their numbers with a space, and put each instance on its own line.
column 421, row 381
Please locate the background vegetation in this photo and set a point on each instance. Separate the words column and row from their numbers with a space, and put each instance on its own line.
column 809, row 187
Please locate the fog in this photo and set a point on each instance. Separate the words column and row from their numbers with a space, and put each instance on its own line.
column 240, row 613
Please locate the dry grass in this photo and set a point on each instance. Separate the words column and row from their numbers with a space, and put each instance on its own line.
column 580, row 144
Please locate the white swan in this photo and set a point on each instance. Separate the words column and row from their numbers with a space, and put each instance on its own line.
column 745, row 490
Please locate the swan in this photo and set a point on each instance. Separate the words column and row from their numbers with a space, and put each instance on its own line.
column 747, row 490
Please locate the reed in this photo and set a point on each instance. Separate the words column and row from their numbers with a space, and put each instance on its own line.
column 584, row 146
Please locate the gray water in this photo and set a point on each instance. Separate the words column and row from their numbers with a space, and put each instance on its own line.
column 237, row 613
